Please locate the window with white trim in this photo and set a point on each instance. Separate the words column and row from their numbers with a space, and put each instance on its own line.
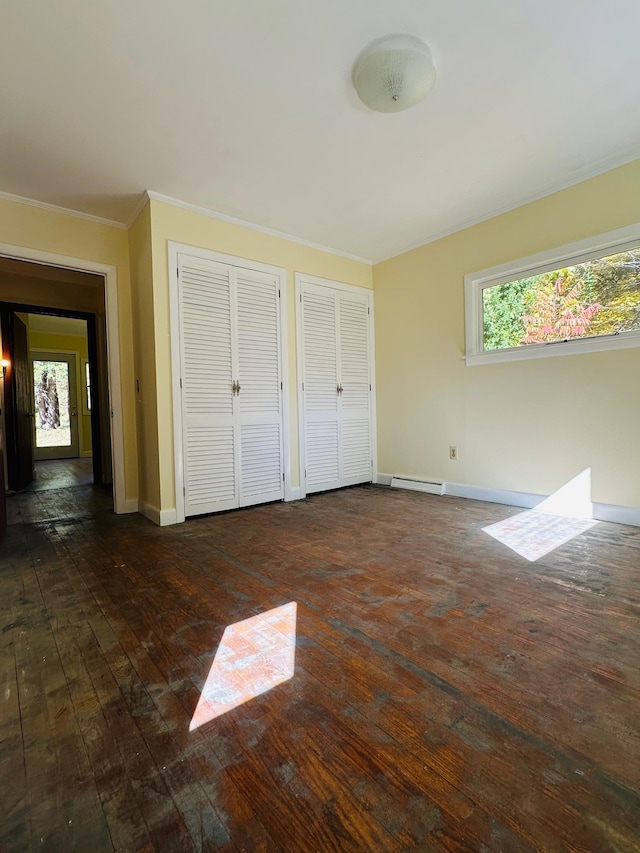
column 582, row 297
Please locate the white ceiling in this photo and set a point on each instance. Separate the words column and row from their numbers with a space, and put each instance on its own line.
column 247, row 108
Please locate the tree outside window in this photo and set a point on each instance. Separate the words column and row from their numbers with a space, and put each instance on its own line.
column 593, row 298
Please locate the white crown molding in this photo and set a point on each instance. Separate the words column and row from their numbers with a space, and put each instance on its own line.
column 600, row 168
column 147, row 195
column 222, row 217
column 54, row 208
column 137, row 210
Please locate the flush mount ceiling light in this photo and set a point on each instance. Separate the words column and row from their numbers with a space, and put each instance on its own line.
column 394, row 73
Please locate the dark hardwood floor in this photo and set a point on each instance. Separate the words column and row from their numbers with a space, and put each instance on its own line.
column 448, row 694
column 62, row 473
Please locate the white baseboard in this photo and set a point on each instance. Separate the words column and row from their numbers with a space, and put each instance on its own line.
column 383, row 479
column 168, row 516
column 618, row 514
column 495, row 496
column 528, row 500
column 161, row 517
column 131, row 505
column 149, row 511
column 294, row 494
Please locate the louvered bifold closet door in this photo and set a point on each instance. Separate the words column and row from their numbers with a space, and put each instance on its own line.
column 259, row 399
column 206, row 315
column 355, row 397
column 320, row 381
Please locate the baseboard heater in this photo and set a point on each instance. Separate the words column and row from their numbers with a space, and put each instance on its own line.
column 416, row 485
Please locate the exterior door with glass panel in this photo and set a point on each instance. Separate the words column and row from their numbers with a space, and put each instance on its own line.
column 55, row 405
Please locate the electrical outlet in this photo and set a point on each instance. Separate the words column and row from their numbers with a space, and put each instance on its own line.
column 453, row 451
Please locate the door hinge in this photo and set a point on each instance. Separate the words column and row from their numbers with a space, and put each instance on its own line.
column 368, row 310
column 281, row 388
column 184, row 492
column 300, row 297
column 278, row 293
column 369, row 386
column 283, row 476
column 303, row 386
column 181, row 381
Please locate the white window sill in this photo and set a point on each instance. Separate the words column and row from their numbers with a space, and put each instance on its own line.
column 573, row 347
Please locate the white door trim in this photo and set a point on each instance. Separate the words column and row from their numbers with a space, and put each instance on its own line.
column 174, row 249
column 120, row 503
column 300, row 279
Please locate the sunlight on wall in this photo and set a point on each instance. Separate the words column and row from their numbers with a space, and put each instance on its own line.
column 573, row 500
column 253, row 656
column 562, row 516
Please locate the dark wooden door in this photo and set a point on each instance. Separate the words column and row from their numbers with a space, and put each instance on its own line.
column 3, row 497
column 18, row 401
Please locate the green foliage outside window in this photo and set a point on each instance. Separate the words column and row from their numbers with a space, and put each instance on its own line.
column 598, row 297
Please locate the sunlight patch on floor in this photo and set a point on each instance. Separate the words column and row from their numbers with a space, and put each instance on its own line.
column 534, row 534
column 558, row 519
column 253, row 656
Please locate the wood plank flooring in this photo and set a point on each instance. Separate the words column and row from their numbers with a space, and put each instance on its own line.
column 62, row 473
column 448, row 694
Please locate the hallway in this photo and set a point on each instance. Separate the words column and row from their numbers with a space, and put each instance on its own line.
column 55, row 477
column 62, row 474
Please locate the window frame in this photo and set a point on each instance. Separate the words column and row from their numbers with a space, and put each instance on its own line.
column 86, row 386
column 475, row 283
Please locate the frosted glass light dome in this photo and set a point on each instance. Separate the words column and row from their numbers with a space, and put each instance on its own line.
column 394, row 73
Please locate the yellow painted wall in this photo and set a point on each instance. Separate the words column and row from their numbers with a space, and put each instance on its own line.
column 27, row 226
column 145, row 359
column 527, row 425
column 169, row 222
column 69, row 344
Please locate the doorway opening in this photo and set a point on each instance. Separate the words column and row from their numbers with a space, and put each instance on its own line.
column 60, row 296
column 46, row 413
